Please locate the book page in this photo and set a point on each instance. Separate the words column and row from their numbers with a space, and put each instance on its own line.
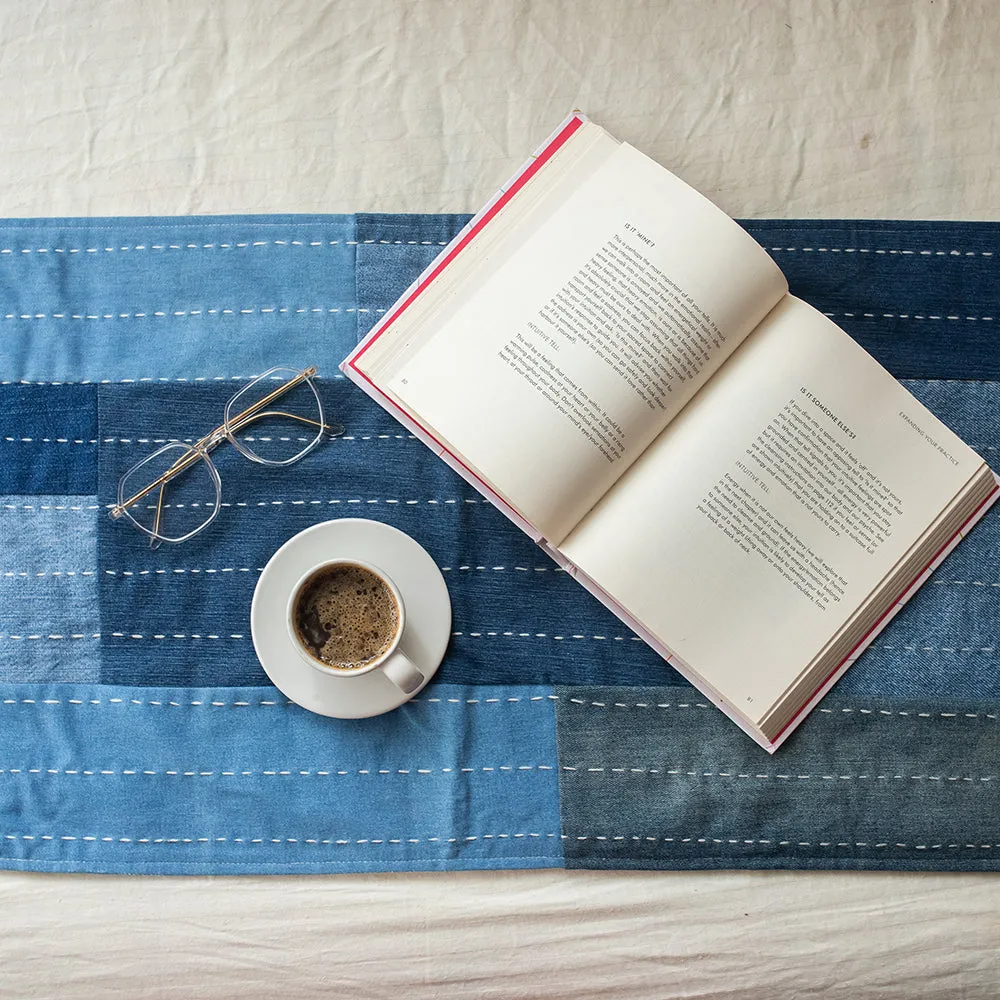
column 580, row 347
column 771, row 509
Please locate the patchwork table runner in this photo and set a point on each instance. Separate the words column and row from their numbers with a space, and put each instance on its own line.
column 139, row 734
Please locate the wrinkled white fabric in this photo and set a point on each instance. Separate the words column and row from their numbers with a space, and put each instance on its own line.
column 832, row 108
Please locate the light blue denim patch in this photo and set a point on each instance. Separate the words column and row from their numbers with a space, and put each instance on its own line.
column 199, row 298
column 227, row 780
column 50, row 625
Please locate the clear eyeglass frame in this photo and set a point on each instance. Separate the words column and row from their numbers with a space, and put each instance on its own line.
column 247, row 407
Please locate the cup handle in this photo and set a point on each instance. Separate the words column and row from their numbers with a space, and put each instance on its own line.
column 400, row 670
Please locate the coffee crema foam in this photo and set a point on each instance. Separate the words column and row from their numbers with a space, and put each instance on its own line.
column 346, row 616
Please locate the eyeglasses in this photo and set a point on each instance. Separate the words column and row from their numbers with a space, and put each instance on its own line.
column 279, row 437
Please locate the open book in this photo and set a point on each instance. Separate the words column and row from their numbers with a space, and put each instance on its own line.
column 619, row 367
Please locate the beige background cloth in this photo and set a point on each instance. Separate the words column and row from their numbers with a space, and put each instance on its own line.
column 774, row 109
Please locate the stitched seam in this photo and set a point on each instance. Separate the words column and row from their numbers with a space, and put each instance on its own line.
column 150, row 378
column 274, row 772
column 881, row 712
column 953, row 381
column 741, row 842
column 379, row 841
column 241, row 245
column 262, row 703
column 51, row 506
column 197, row 313
column 248, row 437
column 677, row 772
column 921, row 316
column 258, row 569
column 299, row 503
column 53, row 572
column 942, row 649
column 57, row 635
column 547, row 635
column 284, row 840
column 259, row 503
column 906, row 253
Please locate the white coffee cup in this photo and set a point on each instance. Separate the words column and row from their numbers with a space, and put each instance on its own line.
column 392, row 661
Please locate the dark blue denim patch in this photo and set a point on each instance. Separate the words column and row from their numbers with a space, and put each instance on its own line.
column 919, row 296
column 48, row 444
column 657, row 778
column 517, row 617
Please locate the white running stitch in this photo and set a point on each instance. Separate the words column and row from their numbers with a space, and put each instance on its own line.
column 775, row 777
column 943, row 649
column 51, row 440
column 953, row 381
column 906, row 253
column 168, row 572
column 964, row 583
column 175, row 635
column 502, row 569
column 777, row 843
column 547, row 635
column 258, row 569
column 51, row 506
column 91, row 838
column 513, row 699
column 884, row 712
column 263, row 703
column 281, row 503
column 36, row 636
column 150, row 378
column 166, row 247
column 182, row 313
column 177, row 773
column 248, row 437
column 918, row 316
column 259, row 503
column 53, row 572
column 639, row 704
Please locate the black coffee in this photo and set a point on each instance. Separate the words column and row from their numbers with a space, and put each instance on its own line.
column 346, row 616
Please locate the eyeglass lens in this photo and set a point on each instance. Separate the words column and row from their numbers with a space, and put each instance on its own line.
column 277, row 431
column 184, row 504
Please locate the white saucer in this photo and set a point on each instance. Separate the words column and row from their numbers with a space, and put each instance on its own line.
column 411, row 569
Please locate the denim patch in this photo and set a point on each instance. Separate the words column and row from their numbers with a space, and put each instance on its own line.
column 392, row 252
column 919, row 296
column 50, row 625
column 238, row 780
column 658, row 778
column 49, row 442
column 213, row 297
column 179, row 614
